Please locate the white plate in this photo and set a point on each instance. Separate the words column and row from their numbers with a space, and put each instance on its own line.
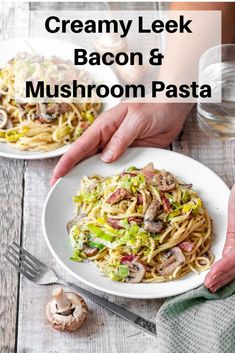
column 50, row 47
column 59, row 208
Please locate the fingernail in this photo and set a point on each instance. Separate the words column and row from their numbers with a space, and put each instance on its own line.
column 217, row 275
column 107, row 156
column 215, row 289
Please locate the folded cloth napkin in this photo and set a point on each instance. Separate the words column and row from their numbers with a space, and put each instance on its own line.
column 198, row 322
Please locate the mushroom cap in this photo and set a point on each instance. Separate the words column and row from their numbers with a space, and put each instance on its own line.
column 78, row 313
column 165, row 181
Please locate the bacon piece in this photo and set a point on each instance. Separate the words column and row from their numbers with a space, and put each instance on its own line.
column 149, row 172
column 127, row 258
column 166, row 203
column 118, row 195
column 186, row 246
column 140, row 199
column 136, row 220
column 114, row 223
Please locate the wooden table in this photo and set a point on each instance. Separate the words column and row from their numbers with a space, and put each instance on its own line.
column 23, row 189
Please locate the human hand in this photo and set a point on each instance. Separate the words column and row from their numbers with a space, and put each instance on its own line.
column 142, row 124
column 223, row 271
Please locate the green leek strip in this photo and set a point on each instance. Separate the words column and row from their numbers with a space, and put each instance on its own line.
column 77, row 198
column 123, row 271
column 174, row 203
column 93, row 244
column 12, row 136
column 185, row 196
column 195, row 204
column 62, row 132
column 173, row 214
column 131, row 169
column 76, row 256
column 99, row 233
column 79, row 132
column 88, row 115
column 100, row 220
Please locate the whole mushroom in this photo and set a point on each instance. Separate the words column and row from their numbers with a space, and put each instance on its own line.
column 66, row 311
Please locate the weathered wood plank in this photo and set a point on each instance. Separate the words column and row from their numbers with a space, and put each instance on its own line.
column 11, row 199
column 215, row 153
column 11, row 194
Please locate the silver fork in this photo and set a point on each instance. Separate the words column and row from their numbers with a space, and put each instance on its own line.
column 39, row 273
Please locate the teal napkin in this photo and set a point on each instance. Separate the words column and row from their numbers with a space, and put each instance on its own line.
column 198, row 322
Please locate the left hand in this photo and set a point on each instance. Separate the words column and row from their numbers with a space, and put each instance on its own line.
column 223, row 271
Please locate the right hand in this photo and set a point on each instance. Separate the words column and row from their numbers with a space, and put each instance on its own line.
column 142, row 124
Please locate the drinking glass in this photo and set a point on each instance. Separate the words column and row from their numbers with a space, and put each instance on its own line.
column 217, row 68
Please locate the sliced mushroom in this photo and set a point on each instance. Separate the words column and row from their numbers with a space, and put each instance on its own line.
column 66, row 311
column 174, row 258
column 3, row 118
column 165, row 181
column 57, row 108
column 149, row 224
column 90, row 251
column 152, row 210
column 136, row 272
column 153, row 227
column 73, row 221
column 42, row 115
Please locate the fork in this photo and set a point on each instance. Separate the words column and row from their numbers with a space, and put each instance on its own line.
column 39, row 273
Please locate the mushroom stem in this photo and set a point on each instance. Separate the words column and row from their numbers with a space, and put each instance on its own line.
column 62, row 301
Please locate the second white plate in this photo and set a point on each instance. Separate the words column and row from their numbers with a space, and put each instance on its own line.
column 49, row 47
